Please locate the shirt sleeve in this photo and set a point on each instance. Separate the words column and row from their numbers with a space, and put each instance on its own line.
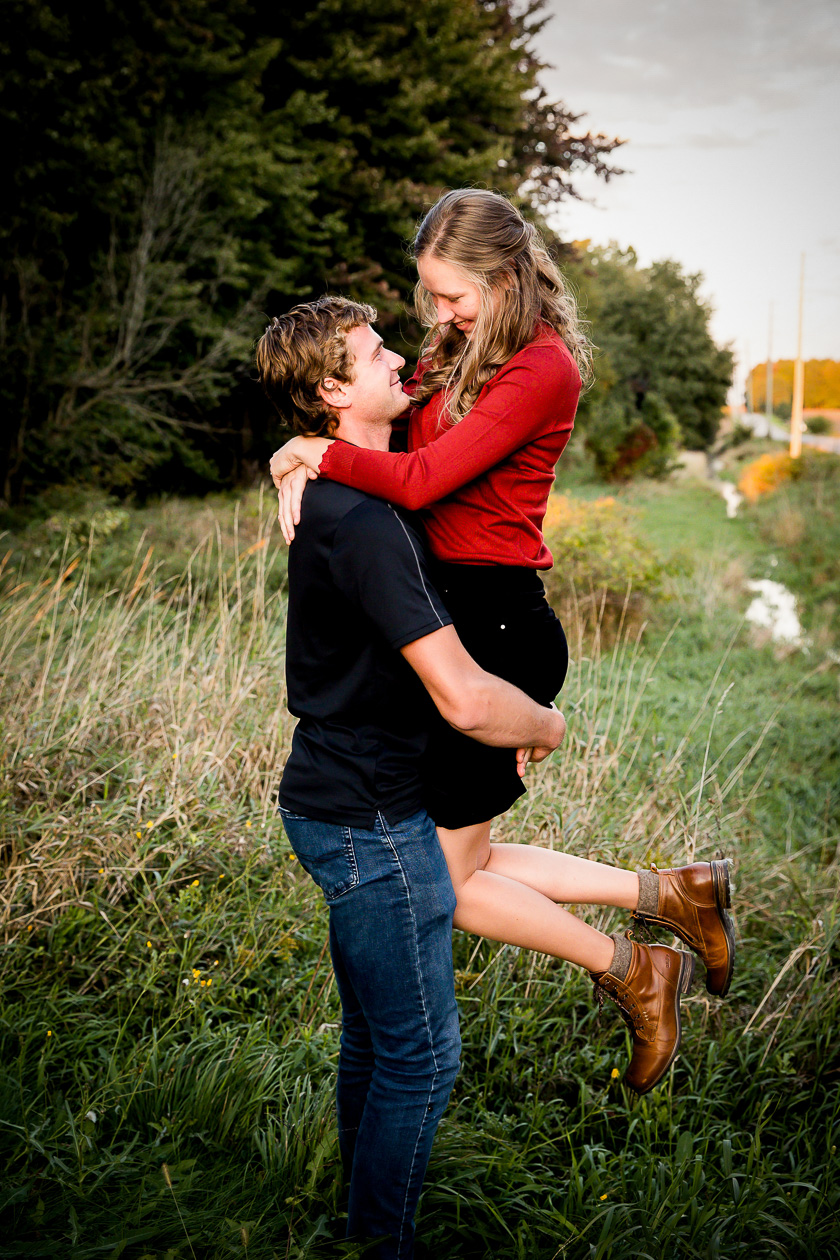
column 378, row 562
column 530, row 398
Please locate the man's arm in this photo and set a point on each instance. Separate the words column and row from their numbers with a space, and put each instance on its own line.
column 477, row 703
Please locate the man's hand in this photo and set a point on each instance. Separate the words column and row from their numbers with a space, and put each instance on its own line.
column 526, row 755
column 479, row 704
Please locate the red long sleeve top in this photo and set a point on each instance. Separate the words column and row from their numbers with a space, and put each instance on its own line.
column 482, row 484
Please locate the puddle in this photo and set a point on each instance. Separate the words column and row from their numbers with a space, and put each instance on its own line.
column 732, row 495
column 774, row 609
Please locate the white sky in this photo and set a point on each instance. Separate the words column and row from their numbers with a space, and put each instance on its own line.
column 731, row 110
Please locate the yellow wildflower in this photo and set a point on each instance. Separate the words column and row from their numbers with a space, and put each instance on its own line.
column 614, row 1074
column 603, row 1196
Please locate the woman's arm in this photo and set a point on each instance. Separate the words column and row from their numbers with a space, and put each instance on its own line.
column 533, row 397
column 306, row 451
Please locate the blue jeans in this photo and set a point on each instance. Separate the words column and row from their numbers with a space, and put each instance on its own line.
column 391, row 905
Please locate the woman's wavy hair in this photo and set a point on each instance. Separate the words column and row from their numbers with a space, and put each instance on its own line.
column 490, row 243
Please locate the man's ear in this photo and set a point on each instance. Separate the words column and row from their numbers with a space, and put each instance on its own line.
column 334, row 392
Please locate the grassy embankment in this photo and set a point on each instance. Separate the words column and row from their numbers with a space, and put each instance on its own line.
column 169, row 1027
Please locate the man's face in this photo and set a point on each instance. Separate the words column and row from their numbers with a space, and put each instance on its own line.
column 375, row 395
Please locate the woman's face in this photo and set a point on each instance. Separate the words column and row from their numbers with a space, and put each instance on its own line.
column 457, row 300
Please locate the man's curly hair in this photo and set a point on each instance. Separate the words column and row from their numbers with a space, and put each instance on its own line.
column 299, row 350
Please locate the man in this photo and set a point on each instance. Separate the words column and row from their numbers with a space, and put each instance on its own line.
column 365, row 630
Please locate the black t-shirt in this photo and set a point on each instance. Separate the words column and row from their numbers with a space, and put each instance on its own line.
column 358, row 591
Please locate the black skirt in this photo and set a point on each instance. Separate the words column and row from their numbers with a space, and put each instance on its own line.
column 508, row 627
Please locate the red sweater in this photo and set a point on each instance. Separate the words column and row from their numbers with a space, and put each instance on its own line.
column 483, row 483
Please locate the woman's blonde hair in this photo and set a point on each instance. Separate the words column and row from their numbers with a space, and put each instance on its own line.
column 490, row 243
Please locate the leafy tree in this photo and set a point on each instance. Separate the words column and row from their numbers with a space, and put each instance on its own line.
column 185, row 166
column 822, row 384
column 660, row 379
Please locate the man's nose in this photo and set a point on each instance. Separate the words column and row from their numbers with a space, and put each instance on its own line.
column 397, row 361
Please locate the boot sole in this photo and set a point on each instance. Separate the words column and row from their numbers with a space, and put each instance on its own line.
column 683, row 987
column 723, row 900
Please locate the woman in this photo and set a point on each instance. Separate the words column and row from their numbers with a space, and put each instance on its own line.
column 495, row 394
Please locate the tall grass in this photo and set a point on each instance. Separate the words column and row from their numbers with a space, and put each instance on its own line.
column 169, row 1024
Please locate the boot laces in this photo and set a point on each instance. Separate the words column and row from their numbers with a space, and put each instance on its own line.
column 628, row 1008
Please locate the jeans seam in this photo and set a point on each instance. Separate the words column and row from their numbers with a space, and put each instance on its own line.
column 351, row 858
column 393, row 848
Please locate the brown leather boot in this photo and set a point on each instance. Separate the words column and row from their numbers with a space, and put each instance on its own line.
column 649, row 1000
column 692, row 902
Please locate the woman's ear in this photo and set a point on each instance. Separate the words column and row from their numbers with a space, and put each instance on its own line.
column 507, row 278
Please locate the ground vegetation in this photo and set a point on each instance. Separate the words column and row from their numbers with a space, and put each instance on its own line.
column 169, row 1027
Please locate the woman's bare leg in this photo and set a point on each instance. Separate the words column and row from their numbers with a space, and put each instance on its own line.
column 563, row 877
column 511, row 896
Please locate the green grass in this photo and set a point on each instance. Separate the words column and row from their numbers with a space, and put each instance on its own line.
column 169, row 1027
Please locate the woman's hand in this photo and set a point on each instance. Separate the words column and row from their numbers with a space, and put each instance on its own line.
column 308, row 451
column 289, row 496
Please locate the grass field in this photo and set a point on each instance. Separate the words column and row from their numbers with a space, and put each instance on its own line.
column 169, row 1026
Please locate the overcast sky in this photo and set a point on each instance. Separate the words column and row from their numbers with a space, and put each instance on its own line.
column 731, row 112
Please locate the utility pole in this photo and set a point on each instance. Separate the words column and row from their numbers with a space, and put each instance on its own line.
column 798, row 377
column 749, row 391
column 768, row 380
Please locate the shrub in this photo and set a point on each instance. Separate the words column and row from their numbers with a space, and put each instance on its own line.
column 629, row 440
column 601, row 564
column 766, row 474
column 819, row 425
column 740, row 434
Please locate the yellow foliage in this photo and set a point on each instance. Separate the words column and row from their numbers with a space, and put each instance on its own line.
column 822, row 383
column 600, row 560
column 766, row 474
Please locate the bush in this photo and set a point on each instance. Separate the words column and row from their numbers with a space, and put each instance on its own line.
column 602, row 567
column 740, row 434
column 819, row 425
column 629, row 440
column 766, row 474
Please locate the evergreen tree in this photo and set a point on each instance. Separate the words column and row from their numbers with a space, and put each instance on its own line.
column 185, row 167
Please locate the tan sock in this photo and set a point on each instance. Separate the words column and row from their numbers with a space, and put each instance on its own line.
column 648, row 893
column 620, row 964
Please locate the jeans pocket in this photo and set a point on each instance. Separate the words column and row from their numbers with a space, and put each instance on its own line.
column 325, row 851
